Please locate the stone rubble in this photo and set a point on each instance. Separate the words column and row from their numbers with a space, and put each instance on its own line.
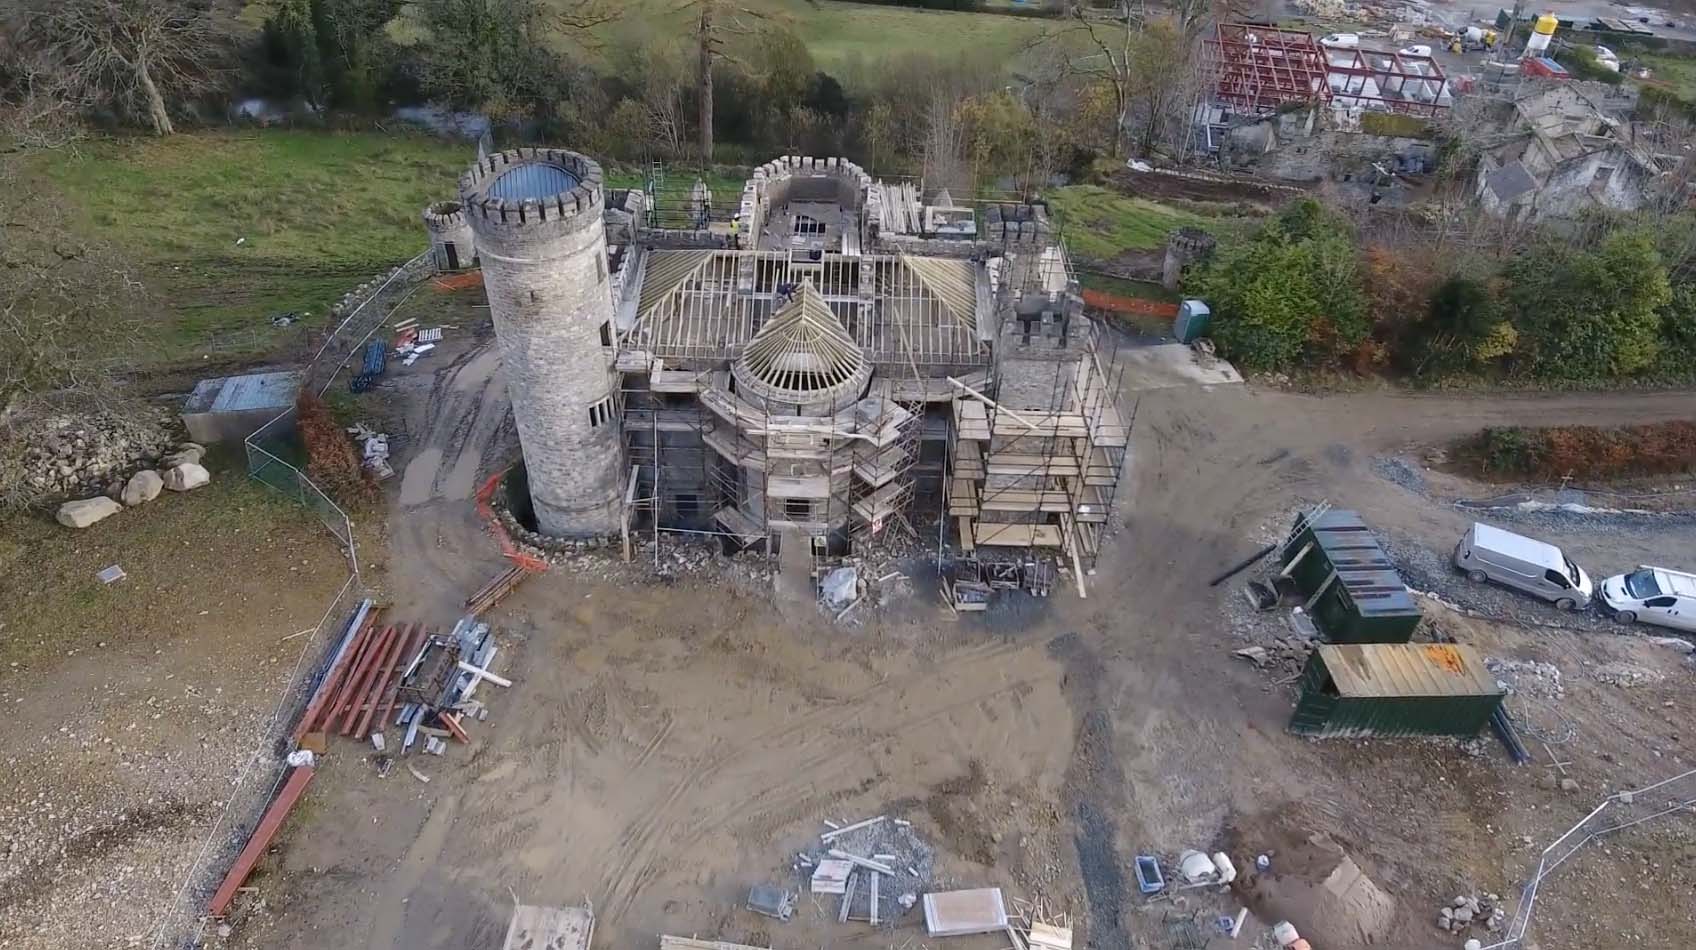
column 1625, row 675
column 70, row 455
column 1467, row 912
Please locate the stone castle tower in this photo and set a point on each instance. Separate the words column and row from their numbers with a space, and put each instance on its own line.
column 452, row 246
column 536, row 215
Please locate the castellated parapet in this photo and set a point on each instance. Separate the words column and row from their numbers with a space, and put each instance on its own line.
column 452, row 245
column 536, row 214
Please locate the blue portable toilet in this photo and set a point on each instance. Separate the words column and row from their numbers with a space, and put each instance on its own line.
column 1192, row 320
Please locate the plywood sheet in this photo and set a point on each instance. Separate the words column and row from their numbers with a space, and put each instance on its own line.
column 957, row 913
column 549, row 928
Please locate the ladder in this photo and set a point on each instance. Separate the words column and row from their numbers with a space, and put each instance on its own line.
column 1307, row 520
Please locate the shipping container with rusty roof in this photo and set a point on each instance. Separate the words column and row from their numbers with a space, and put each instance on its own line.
column 1395, row 689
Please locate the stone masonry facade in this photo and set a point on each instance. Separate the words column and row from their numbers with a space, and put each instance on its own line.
column 544, row 266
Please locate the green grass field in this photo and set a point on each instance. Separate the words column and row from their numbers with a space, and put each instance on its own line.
column 1102, row 224
column 1676, row 72
column 838, row 33
column 314, row 212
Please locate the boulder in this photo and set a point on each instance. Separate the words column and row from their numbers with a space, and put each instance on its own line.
column 81, row 514
column 186, row 476
column 189, row 452
column 144, row 485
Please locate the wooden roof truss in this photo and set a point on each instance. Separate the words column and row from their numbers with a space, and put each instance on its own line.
column 901, row 311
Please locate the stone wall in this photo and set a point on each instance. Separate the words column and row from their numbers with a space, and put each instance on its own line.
column 545, row 271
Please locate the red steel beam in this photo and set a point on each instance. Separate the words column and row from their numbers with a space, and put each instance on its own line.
column 362, row 682
column 261, row 839
column 333, row 679
column 417, row 640
column 365, row 695
column 365, row 656
column 380, row 687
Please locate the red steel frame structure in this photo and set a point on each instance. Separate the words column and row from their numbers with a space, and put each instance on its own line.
column 1255, row 69
column 1397, row 80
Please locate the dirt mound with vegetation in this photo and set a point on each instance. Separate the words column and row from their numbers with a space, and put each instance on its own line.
column 1587, row 452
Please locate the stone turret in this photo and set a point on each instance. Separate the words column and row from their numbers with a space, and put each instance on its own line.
column 452, row 245
column 1184, row 247
column 537, row 217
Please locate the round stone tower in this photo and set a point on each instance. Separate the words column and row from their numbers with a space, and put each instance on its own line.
column 452, row 246
column 536, row 214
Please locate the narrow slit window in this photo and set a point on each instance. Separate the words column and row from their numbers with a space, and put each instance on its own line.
column 600, row 413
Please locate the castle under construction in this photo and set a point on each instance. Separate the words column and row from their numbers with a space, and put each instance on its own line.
column 829, row 359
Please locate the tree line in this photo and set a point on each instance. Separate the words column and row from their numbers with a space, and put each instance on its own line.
column 723, row 83
column 1609, row 299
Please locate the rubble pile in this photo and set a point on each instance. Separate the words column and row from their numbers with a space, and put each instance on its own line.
column 1626, row 676
column 878, row 868
column 1527, row 677
column 1467, row 912
column 68, row 455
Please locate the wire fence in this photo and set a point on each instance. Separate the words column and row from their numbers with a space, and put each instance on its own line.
column 1616, row 813
column 274, row 458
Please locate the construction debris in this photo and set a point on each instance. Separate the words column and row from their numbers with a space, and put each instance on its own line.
column 959, row 913
column 411, row 342
column 831, row 877
column 497, row 588
column 771, row 900
column 374, row 450
column 549, row 928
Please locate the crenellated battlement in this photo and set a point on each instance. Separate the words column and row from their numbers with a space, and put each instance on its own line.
column 530, row 176
column 442, row 217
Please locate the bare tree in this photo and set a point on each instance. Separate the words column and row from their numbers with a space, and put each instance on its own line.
column 38, row 105
column 944, row 144
column 715, row 22
column 137, row 56
column 1112, row 37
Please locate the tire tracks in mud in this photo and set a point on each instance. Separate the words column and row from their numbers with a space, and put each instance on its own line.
column 1093, row 791
column 795, row 772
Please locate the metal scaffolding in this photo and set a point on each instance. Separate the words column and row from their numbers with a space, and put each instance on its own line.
column 1041, row 476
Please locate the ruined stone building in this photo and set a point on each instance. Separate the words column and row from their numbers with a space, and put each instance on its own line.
column 1564, row 153
column 838, row 361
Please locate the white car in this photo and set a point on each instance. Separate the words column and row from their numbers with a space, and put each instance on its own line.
column 1420, row 50
column 1340, row 41
column 1653, row 595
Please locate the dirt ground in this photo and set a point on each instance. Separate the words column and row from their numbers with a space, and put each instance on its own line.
column 132, row 708
column 668, row 744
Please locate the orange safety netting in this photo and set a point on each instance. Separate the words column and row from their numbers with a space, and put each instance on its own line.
column 1102, row 300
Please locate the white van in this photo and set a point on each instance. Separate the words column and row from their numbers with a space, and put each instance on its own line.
column 1653, row 595
column 1526, row 564
column 1340, row 41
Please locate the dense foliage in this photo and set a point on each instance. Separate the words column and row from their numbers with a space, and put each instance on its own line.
column 1615, row 304
column 1290, row 295
column 1666, row 448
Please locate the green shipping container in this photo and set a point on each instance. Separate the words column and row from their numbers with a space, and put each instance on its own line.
column 1364, row 600
column 1395, row 689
